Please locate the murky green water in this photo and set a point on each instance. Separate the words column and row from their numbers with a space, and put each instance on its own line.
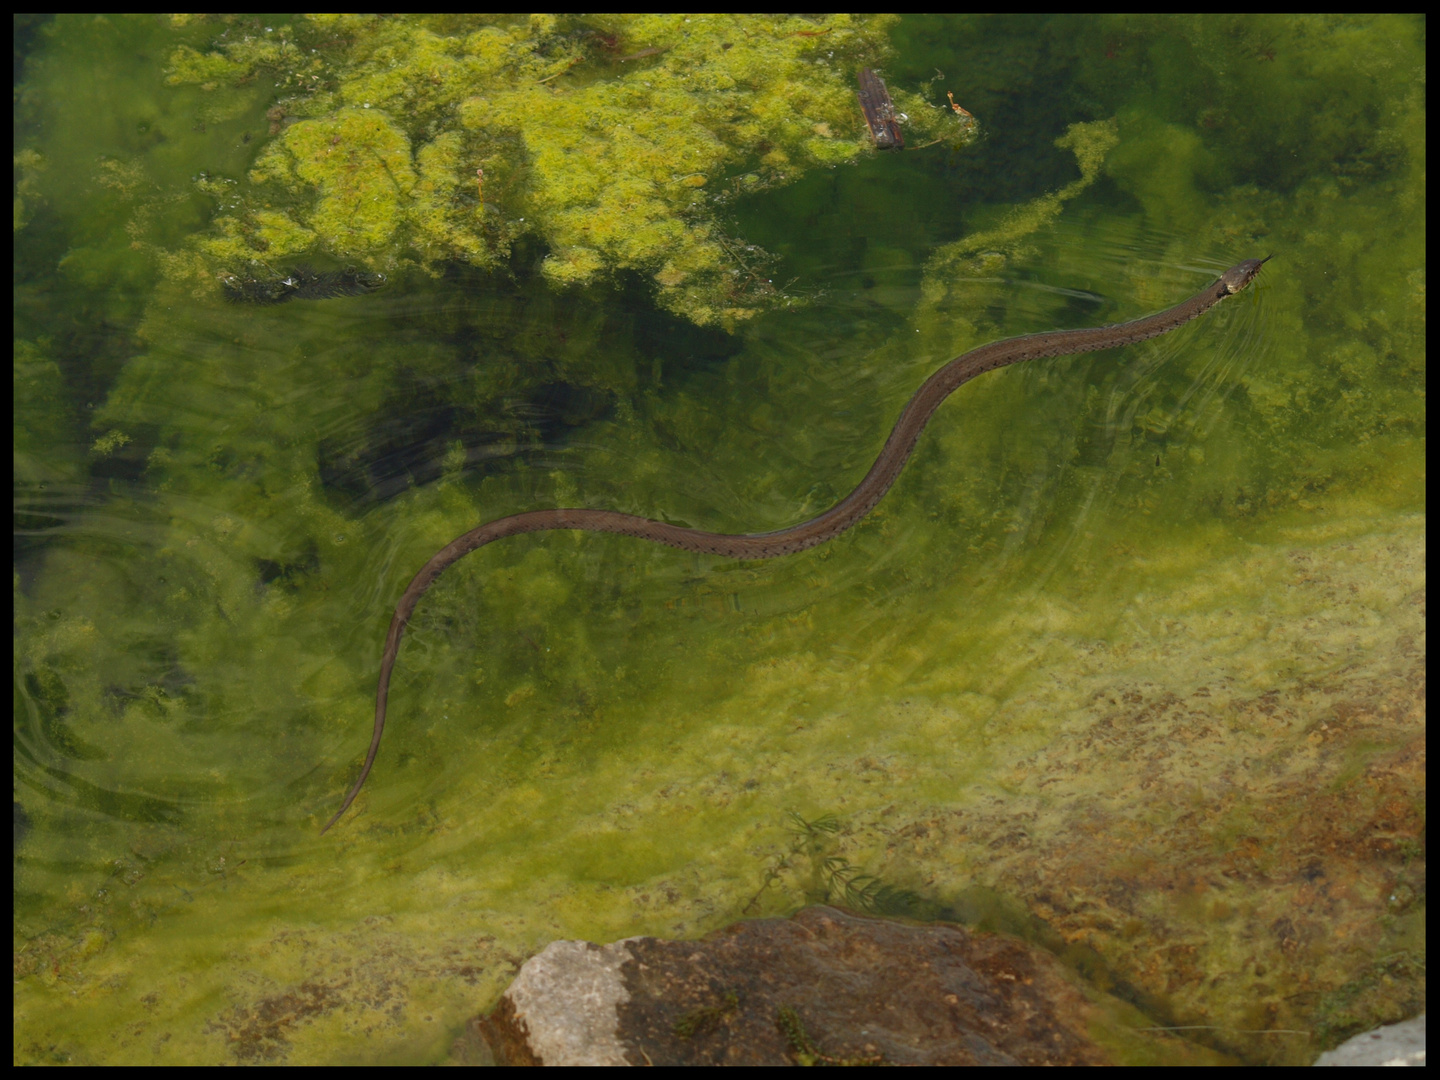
column 1130, row 661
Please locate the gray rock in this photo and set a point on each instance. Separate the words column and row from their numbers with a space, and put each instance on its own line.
column 1398, row 1044
column 562, row 1006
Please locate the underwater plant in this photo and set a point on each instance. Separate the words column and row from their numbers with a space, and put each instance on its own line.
column 832, row 878
column 617, row 141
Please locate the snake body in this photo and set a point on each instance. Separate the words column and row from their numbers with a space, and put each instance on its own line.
column 823, row 527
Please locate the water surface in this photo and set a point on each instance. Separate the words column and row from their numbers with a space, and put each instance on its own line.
column 1130, row 661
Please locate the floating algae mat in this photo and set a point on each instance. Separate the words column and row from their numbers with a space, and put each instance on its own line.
column 1129, row 662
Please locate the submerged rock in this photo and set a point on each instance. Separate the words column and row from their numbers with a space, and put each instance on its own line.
column 1397, row 1044
column 825, row 987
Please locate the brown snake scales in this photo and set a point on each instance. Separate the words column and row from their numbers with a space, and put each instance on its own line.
column 832, row 522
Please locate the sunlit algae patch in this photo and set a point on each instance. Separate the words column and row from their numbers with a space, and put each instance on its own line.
column 617, row 141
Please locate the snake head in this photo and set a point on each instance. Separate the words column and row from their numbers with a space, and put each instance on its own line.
column 1241, row 274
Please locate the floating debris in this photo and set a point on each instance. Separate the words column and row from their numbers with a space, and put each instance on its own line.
column 301, row 283
column 879, row 111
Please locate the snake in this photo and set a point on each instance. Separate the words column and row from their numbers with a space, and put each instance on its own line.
column 826, row 526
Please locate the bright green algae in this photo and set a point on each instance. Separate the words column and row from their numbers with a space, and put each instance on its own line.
column 1126, row 650
column 414, row 142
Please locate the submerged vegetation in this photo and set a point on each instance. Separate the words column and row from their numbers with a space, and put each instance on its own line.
column 617, row 140
column 1132, row 643
column 828, row 877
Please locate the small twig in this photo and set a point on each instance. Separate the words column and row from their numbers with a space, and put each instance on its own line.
column 563, row 71
column 1218, row 1027
column 753, row 276
column 652, row 51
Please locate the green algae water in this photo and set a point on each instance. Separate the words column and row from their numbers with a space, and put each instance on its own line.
column 1130, row 662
